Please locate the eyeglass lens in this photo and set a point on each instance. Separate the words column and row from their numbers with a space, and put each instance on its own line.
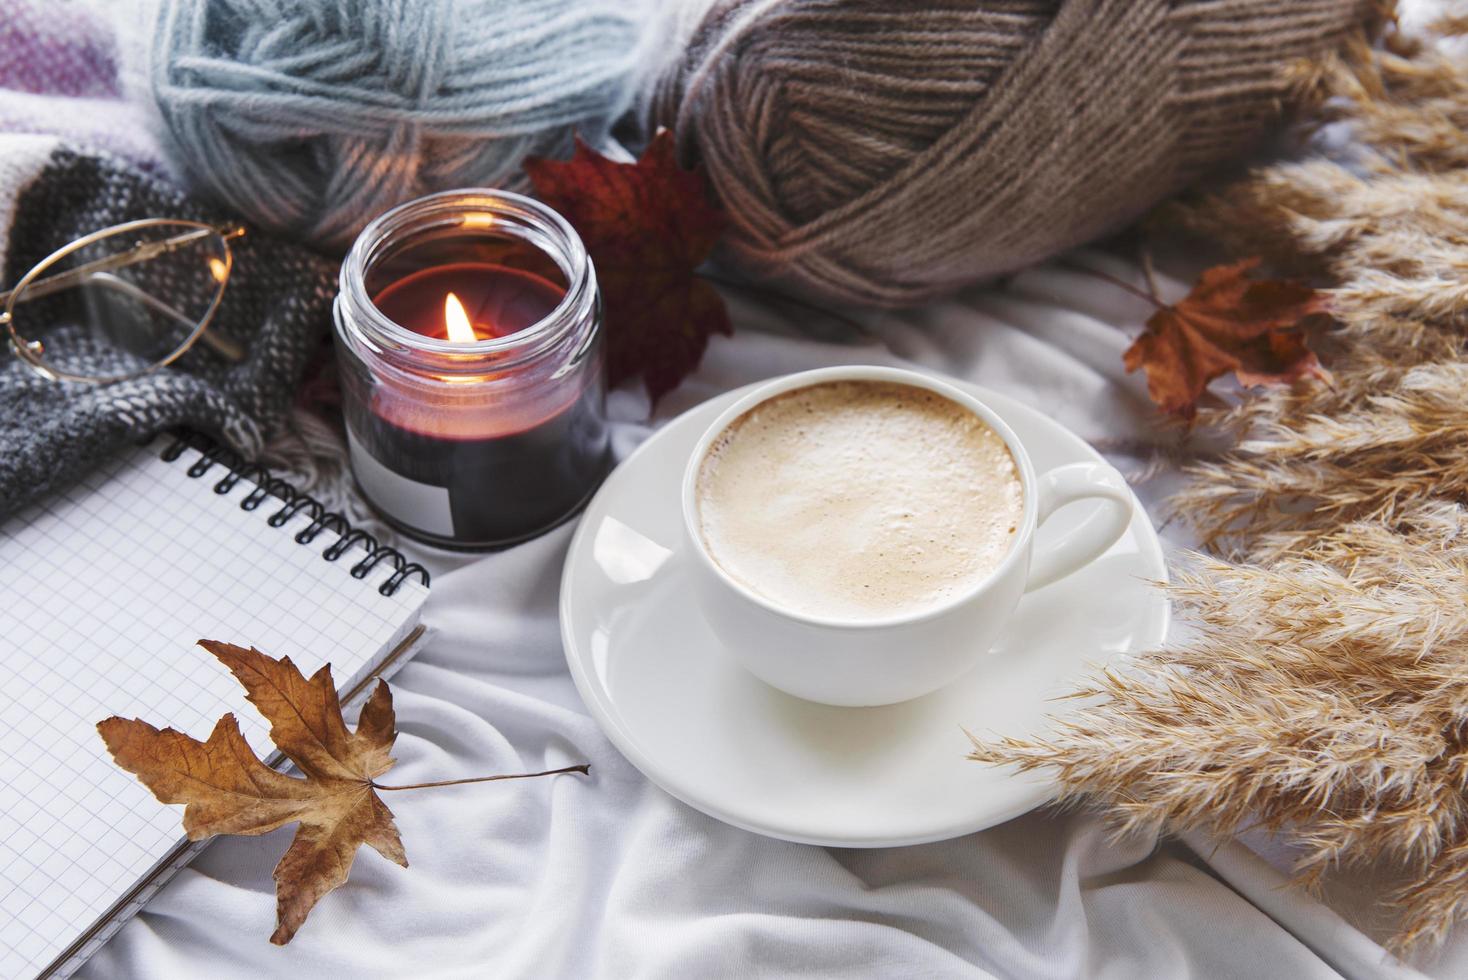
column 119, row 305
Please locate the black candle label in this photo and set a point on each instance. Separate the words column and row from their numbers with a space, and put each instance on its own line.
column 481, row 492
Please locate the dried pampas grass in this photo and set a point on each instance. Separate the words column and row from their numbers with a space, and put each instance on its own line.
column 1323, row 690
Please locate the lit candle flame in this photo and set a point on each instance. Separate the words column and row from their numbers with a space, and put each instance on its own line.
column 457, row 321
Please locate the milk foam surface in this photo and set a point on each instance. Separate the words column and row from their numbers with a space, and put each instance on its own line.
column 859, row 499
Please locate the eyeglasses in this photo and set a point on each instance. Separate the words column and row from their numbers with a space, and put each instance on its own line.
column 122, row 302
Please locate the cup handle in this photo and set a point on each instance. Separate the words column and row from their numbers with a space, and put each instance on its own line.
column 1078, row 548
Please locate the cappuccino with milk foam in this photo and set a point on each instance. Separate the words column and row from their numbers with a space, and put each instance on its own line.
column 859, row 500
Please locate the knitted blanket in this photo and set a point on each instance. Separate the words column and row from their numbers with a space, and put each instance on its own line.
column 276, row 305
column 75, row 156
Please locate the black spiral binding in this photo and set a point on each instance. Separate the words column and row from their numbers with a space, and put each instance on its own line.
column 293, row 502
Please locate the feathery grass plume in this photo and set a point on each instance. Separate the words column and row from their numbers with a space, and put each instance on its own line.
column 1322, row 690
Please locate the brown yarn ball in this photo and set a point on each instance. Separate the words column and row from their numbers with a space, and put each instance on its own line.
column 884, row 152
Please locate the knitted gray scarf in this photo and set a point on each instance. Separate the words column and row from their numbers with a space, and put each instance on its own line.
column 277, row 305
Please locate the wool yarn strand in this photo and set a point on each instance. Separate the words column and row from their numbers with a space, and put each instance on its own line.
column 311, row 117
column 880, row 152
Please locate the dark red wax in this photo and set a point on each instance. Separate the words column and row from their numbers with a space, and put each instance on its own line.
column 498, row 299
column 506, row 488
column 512, row 465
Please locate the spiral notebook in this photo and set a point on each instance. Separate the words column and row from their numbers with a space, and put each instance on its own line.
column 104, row 592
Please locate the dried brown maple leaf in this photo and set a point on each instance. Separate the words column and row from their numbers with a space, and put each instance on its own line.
column 1228, row 322
column 647, row 227
column 228, row 790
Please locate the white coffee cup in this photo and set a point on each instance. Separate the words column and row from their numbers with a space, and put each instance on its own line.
column 883, row 661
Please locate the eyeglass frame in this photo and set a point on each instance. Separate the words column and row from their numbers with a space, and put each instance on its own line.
column 29, row 350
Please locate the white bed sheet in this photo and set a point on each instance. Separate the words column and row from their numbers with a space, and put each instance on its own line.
column 607, row 876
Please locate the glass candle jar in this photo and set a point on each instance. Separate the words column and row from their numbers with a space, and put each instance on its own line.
column 468, row 334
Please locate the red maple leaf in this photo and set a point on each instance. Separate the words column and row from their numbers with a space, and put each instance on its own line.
column 647, row 227
column 1229, row 322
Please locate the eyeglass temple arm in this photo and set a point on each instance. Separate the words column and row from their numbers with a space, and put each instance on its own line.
column 138, row 253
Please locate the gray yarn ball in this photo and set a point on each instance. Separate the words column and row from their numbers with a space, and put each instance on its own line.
column 311, row 117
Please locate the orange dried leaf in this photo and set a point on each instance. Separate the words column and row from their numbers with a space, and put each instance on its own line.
column 228, row 790
column 1228, row 323
column 647, row 227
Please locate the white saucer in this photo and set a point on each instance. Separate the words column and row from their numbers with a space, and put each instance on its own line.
column 697, row 724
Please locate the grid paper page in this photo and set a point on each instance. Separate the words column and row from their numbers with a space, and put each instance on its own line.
column 106, row 590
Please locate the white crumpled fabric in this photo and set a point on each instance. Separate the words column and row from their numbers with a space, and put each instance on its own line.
column 607, row 876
